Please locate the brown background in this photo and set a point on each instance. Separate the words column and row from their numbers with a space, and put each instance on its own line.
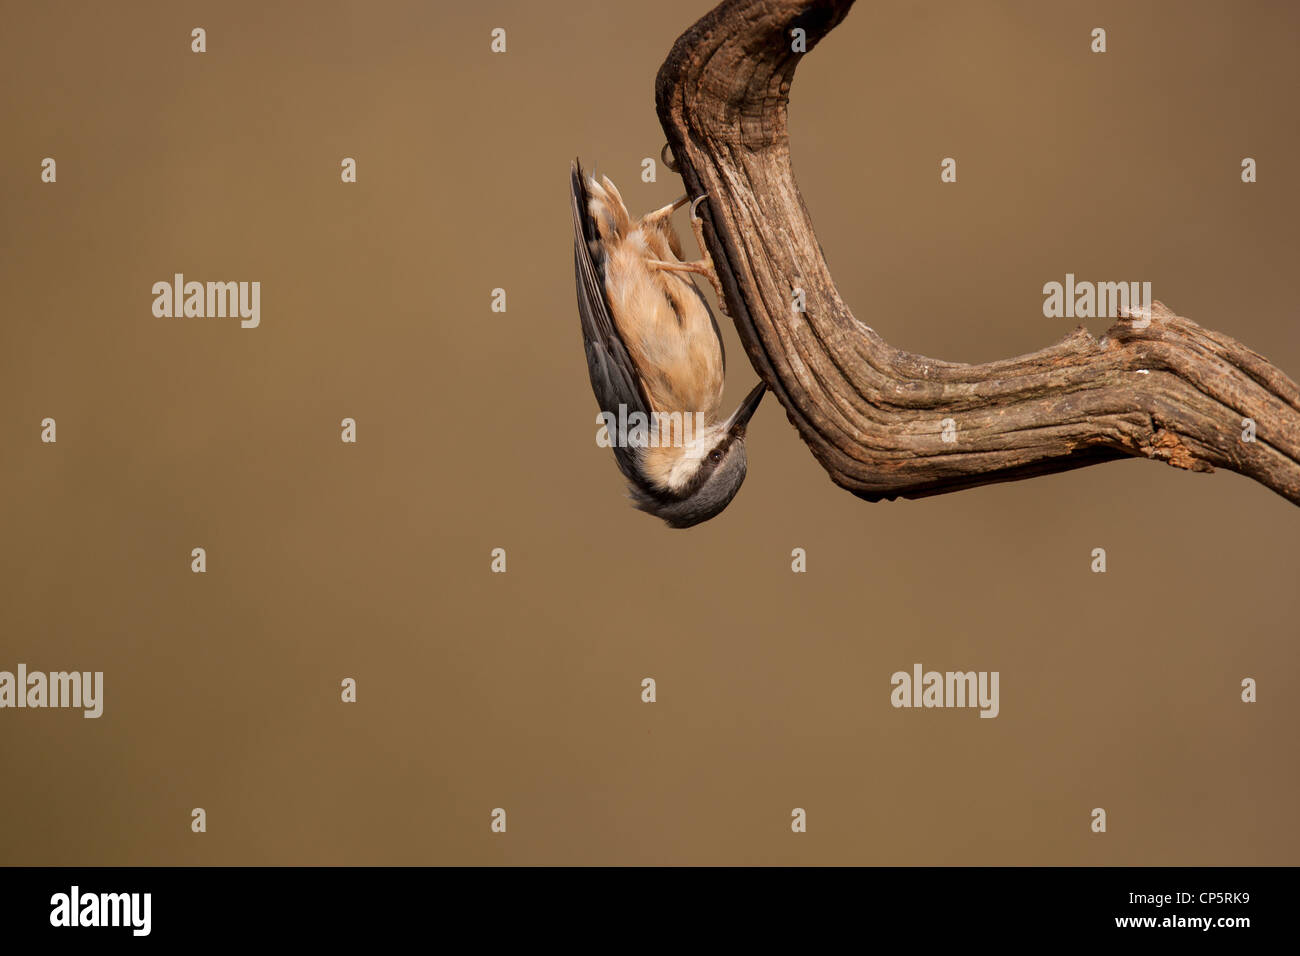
column 476, row 431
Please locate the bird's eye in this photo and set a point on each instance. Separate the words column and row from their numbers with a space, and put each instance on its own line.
column 715, row 456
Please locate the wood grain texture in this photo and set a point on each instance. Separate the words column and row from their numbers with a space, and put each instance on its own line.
column 873, row 414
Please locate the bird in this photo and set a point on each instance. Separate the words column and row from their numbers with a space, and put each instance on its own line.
column 654, row 348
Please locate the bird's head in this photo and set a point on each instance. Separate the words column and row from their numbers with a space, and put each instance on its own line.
column 708, row 474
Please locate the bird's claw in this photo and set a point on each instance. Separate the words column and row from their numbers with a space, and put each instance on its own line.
column 669, row 159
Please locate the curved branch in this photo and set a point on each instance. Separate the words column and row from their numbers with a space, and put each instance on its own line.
column 873, row 415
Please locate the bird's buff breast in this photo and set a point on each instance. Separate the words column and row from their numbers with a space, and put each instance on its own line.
column 667, row 331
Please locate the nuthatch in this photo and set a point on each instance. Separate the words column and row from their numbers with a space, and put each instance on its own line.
column 654, row 347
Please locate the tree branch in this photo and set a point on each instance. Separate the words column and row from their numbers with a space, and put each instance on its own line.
column 873, row 415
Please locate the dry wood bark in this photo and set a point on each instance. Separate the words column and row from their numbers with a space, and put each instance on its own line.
column 873, row 414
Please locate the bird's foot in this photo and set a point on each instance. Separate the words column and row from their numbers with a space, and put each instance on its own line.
column 703, row 267
column 657, row 218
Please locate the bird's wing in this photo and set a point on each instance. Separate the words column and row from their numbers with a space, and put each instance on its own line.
column 613, row 376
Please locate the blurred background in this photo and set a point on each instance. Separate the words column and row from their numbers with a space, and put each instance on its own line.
column 476, row 431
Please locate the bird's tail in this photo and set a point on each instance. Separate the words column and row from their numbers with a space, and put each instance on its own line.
column 606, row 207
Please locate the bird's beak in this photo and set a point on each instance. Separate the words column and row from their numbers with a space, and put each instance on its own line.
column 736, row 425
